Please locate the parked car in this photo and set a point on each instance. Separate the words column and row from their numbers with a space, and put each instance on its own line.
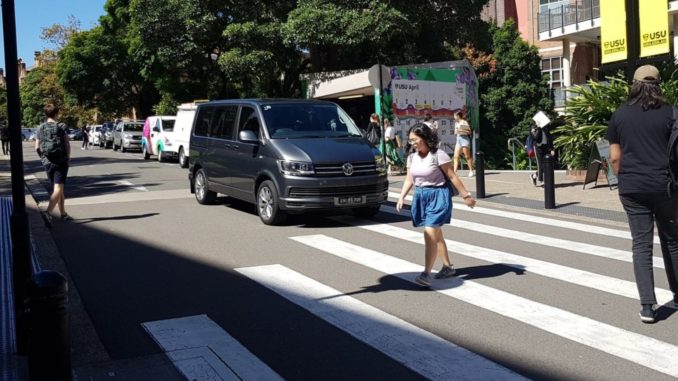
column 106, row 135
column 74, row 133
column 158, row 137
column 94, row 136
column 28, row 133
column 285, row 156
column 182, row 131
column 127, row 135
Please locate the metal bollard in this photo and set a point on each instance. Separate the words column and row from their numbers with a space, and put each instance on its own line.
column 49, row 349
column 549, row 183
column 480, row 175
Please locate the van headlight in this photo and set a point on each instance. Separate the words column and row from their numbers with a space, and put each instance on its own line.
column 295, row 168
column 379, row 163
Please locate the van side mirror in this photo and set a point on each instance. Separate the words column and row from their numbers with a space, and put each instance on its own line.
column 248, row 136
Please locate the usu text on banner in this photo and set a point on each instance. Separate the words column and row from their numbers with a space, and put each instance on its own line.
column 654, row 27
column 613, row 41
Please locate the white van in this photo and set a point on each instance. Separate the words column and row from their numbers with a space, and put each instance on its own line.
column 159, row 130
column 182, row 130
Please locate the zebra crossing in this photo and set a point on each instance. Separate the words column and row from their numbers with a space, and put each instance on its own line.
column 574, row 343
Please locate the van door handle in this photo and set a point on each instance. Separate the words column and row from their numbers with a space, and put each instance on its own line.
column 236, row 147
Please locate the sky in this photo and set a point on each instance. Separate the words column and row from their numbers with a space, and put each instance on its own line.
column 33, row 15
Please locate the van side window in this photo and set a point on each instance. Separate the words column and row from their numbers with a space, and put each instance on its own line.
column 224, row 122
column 249, row 121
column 202, row 121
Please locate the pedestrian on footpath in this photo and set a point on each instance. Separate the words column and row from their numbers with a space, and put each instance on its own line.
column 542, row 142
column 85, row 138
column 464, row 133
column 391, row 146
column 429, row 170
column 54, row 149
column 638, row 133
column 4, row 137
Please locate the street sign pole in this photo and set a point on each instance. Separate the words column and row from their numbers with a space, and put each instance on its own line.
column 21, row 256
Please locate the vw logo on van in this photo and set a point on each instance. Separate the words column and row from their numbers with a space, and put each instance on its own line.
column 347, row 168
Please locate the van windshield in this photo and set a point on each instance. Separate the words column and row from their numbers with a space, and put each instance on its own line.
column 168, row 125
column 304, row 120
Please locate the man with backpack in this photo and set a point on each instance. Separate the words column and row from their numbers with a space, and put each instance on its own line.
column 54, row 149
column 638, row 133
column 542, row 142
column 4, row 137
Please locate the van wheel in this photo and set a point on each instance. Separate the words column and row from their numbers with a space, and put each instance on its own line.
column 183, row 160
column 146, row 154
column 366, row 211
column 203, row 195
column 268, row 204
column 122, row 148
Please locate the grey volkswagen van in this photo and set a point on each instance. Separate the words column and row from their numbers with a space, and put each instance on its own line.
column 285, row 156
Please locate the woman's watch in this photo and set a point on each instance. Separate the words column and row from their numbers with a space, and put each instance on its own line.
column 467, row 196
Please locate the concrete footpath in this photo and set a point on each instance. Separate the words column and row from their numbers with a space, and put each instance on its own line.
column 511, row 190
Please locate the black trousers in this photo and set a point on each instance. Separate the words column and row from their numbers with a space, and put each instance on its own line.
column 643, row 210
column 5, row 147
column 539, row 153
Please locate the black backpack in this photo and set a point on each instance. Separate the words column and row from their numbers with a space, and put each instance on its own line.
column 672, row 153
column 373, row 134
column 52, row 142
column 536, row 134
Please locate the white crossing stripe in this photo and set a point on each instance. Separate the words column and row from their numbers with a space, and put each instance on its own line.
column 419, row 350
column 604, row 337
column 131, row 185
column 579, row 247
column 579, row 277
column 541, row 220
column 201, row 350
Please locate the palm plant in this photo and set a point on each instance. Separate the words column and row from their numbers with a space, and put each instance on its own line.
column 586, row 118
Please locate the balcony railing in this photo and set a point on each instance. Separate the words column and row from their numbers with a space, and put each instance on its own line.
column 568, row 13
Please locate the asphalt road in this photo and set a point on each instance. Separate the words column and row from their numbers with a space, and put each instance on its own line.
column 541, row 298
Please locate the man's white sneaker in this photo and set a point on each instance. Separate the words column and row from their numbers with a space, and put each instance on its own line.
column 471, row 174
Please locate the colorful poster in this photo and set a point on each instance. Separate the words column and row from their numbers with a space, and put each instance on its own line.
column 413, row 99
column 613, row 41
column 654, row 27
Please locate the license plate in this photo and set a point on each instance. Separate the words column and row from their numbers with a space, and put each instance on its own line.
column 349, row 200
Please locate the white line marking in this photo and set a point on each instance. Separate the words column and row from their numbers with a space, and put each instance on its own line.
column 541, row 220
column 642, row 350
column 129, row 184
column 200, row 348
column 579, row 277
column 578, row 247
column 419, row 350
column 131, row 197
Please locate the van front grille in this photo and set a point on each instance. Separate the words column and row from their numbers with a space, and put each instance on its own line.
column 360, row 168
column 302, row 192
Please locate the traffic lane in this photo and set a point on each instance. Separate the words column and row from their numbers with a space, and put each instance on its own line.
column 226, row 236
column 99, row 172
column 156, row 260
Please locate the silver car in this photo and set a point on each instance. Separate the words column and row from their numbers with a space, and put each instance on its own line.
column 127, row 135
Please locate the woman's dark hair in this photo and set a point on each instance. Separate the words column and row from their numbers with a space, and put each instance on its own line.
column 425, row 133
column 648, row 94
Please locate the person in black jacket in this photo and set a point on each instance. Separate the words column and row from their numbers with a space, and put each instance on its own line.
column 543, row 144
column 638, row 133
column 4, row 136
column 373, row 130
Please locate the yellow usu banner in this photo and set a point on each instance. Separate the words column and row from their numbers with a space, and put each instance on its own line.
column 654, row 27
column 613, row 41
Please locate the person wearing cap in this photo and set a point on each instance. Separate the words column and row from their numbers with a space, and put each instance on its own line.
column 638, row 133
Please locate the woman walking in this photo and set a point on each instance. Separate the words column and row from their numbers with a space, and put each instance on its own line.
column 429, row 169
column 391, row 147
column 464, row 135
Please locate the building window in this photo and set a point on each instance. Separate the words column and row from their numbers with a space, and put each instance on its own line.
column 553, row 67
